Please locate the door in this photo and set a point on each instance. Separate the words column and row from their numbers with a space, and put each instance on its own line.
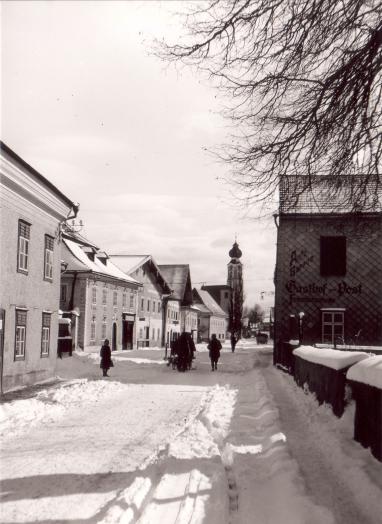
column 127, row 334
column 114, row 338
column 2, row 325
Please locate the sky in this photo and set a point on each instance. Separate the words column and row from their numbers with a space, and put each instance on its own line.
column 86, row 102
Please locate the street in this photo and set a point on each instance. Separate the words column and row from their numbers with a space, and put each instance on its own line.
column 151, row 445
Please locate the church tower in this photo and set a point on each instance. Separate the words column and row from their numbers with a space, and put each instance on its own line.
column 235, row 282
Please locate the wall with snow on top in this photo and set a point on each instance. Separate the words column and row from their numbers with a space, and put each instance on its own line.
column 331, row 358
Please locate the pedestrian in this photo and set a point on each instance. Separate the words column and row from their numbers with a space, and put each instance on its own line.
column 214, row 347
column 105, row 354
column 233, row 342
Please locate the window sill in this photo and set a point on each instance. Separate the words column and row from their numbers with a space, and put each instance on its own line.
column 44, row 355
column 17, row 358
column 22, row 271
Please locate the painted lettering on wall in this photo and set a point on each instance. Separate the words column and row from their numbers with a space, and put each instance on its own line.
column 299, row 260
column 314, row 291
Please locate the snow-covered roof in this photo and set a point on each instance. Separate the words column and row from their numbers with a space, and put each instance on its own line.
column 368, row 372
column 208, row 301
column 97, row 265
column 178, row 278
column 331, row 358
column 129, row 263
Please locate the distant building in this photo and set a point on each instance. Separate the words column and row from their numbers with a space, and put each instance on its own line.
column 100, row 298
column 221, row 293
column 328, row 274
column 151, row 315
column 212, row 318
column 33, row 212
column 178, row 278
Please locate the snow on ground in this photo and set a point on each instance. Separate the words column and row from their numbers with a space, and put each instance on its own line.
column 241, row 445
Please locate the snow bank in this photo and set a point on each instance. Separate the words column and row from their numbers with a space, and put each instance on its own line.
column 203, row 437
column 367, row 371
column 50, row 405
column 330, row 358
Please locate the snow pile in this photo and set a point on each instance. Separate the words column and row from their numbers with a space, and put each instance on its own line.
column 50, row 405
column 330, row 358
column 202, row 438
column 96, row 359
column 368, row 372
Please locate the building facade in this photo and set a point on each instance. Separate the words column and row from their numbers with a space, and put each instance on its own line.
column 328, row 276
column 212, row 318
column 178, row 278
column 154, row 288
column 32, row 214
column 100, row 299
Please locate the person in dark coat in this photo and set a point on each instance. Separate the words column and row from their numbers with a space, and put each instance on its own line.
column 105, row 354
column 233, row 342
column 214, row 347
column 183, row 351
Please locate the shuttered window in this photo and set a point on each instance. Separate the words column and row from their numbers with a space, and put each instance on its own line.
column 20, row 335
column 45, row 334
column 48, row 258
column 23, row 246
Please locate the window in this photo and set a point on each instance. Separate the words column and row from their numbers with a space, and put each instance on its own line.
column 148, row 305
column 115, row 298
column 94, row 295
column 21, row 326
column 159, row 307
column 48, row 258
column 153, row 334
column 131, row 301
column 104, row 297
column 92, row 331
column 142, row 304
column 333, row 326
column 45, row 334
column 23, row 246
column 124, row 300
column 103, row 332
column 332, row 256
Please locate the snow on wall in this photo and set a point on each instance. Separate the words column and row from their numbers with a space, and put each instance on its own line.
column 330, row 358
column 368, row 372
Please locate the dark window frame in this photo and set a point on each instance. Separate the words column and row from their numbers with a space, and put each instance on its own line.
column 48, row 241
column 45, row 325
column 19, row 324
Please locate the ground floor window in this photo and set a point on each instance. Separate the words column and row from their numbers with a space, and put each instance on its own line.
column 92, row 332
column 333, row 321
column 103, row 332
column 45, row 334
column 20, row 336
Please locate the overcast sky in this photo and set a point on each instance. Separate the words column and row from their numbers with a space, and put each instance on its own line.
column 87, row 105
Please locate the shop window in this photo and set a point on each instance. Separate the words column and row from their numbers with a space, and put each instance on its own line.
column 48, row 258
column 20, row 335
column 45, row 334
column 332, row 256
column 333, row 322
column 23, row 246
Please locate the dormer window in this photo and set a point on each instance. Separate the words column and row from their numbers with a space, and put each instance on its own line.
column 102, row 256
column 90, row 252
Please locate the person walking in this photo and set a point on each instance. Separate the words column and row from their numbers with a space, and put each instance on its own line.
column 233, row 342
column 105, row 354
column 214, row 347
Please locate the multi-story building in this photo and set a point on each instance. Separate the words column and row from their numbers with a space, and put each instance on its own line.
column 180, row 314
column 33, row 211
column 100, row 299
column 154, row 289
column 328, row 272
column 221, row 293
column 212, row 318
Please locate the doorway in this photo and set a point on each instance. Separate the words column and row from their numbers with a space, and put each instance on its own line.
column 114, row 337
column 127, row 334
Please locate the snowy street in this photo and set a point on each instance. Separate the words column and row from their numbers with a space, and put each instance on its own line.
column 151, row 445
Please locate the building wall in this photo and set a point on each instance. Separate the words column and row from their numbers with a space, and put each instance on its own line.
column 173, row 326
column 150, row 315
column 301, row 288
column 29, row 291
column 103, row 316
column 218, row 325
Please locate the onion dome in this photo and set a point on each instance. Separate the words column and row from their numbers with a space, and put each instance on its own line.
column 235, row 252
